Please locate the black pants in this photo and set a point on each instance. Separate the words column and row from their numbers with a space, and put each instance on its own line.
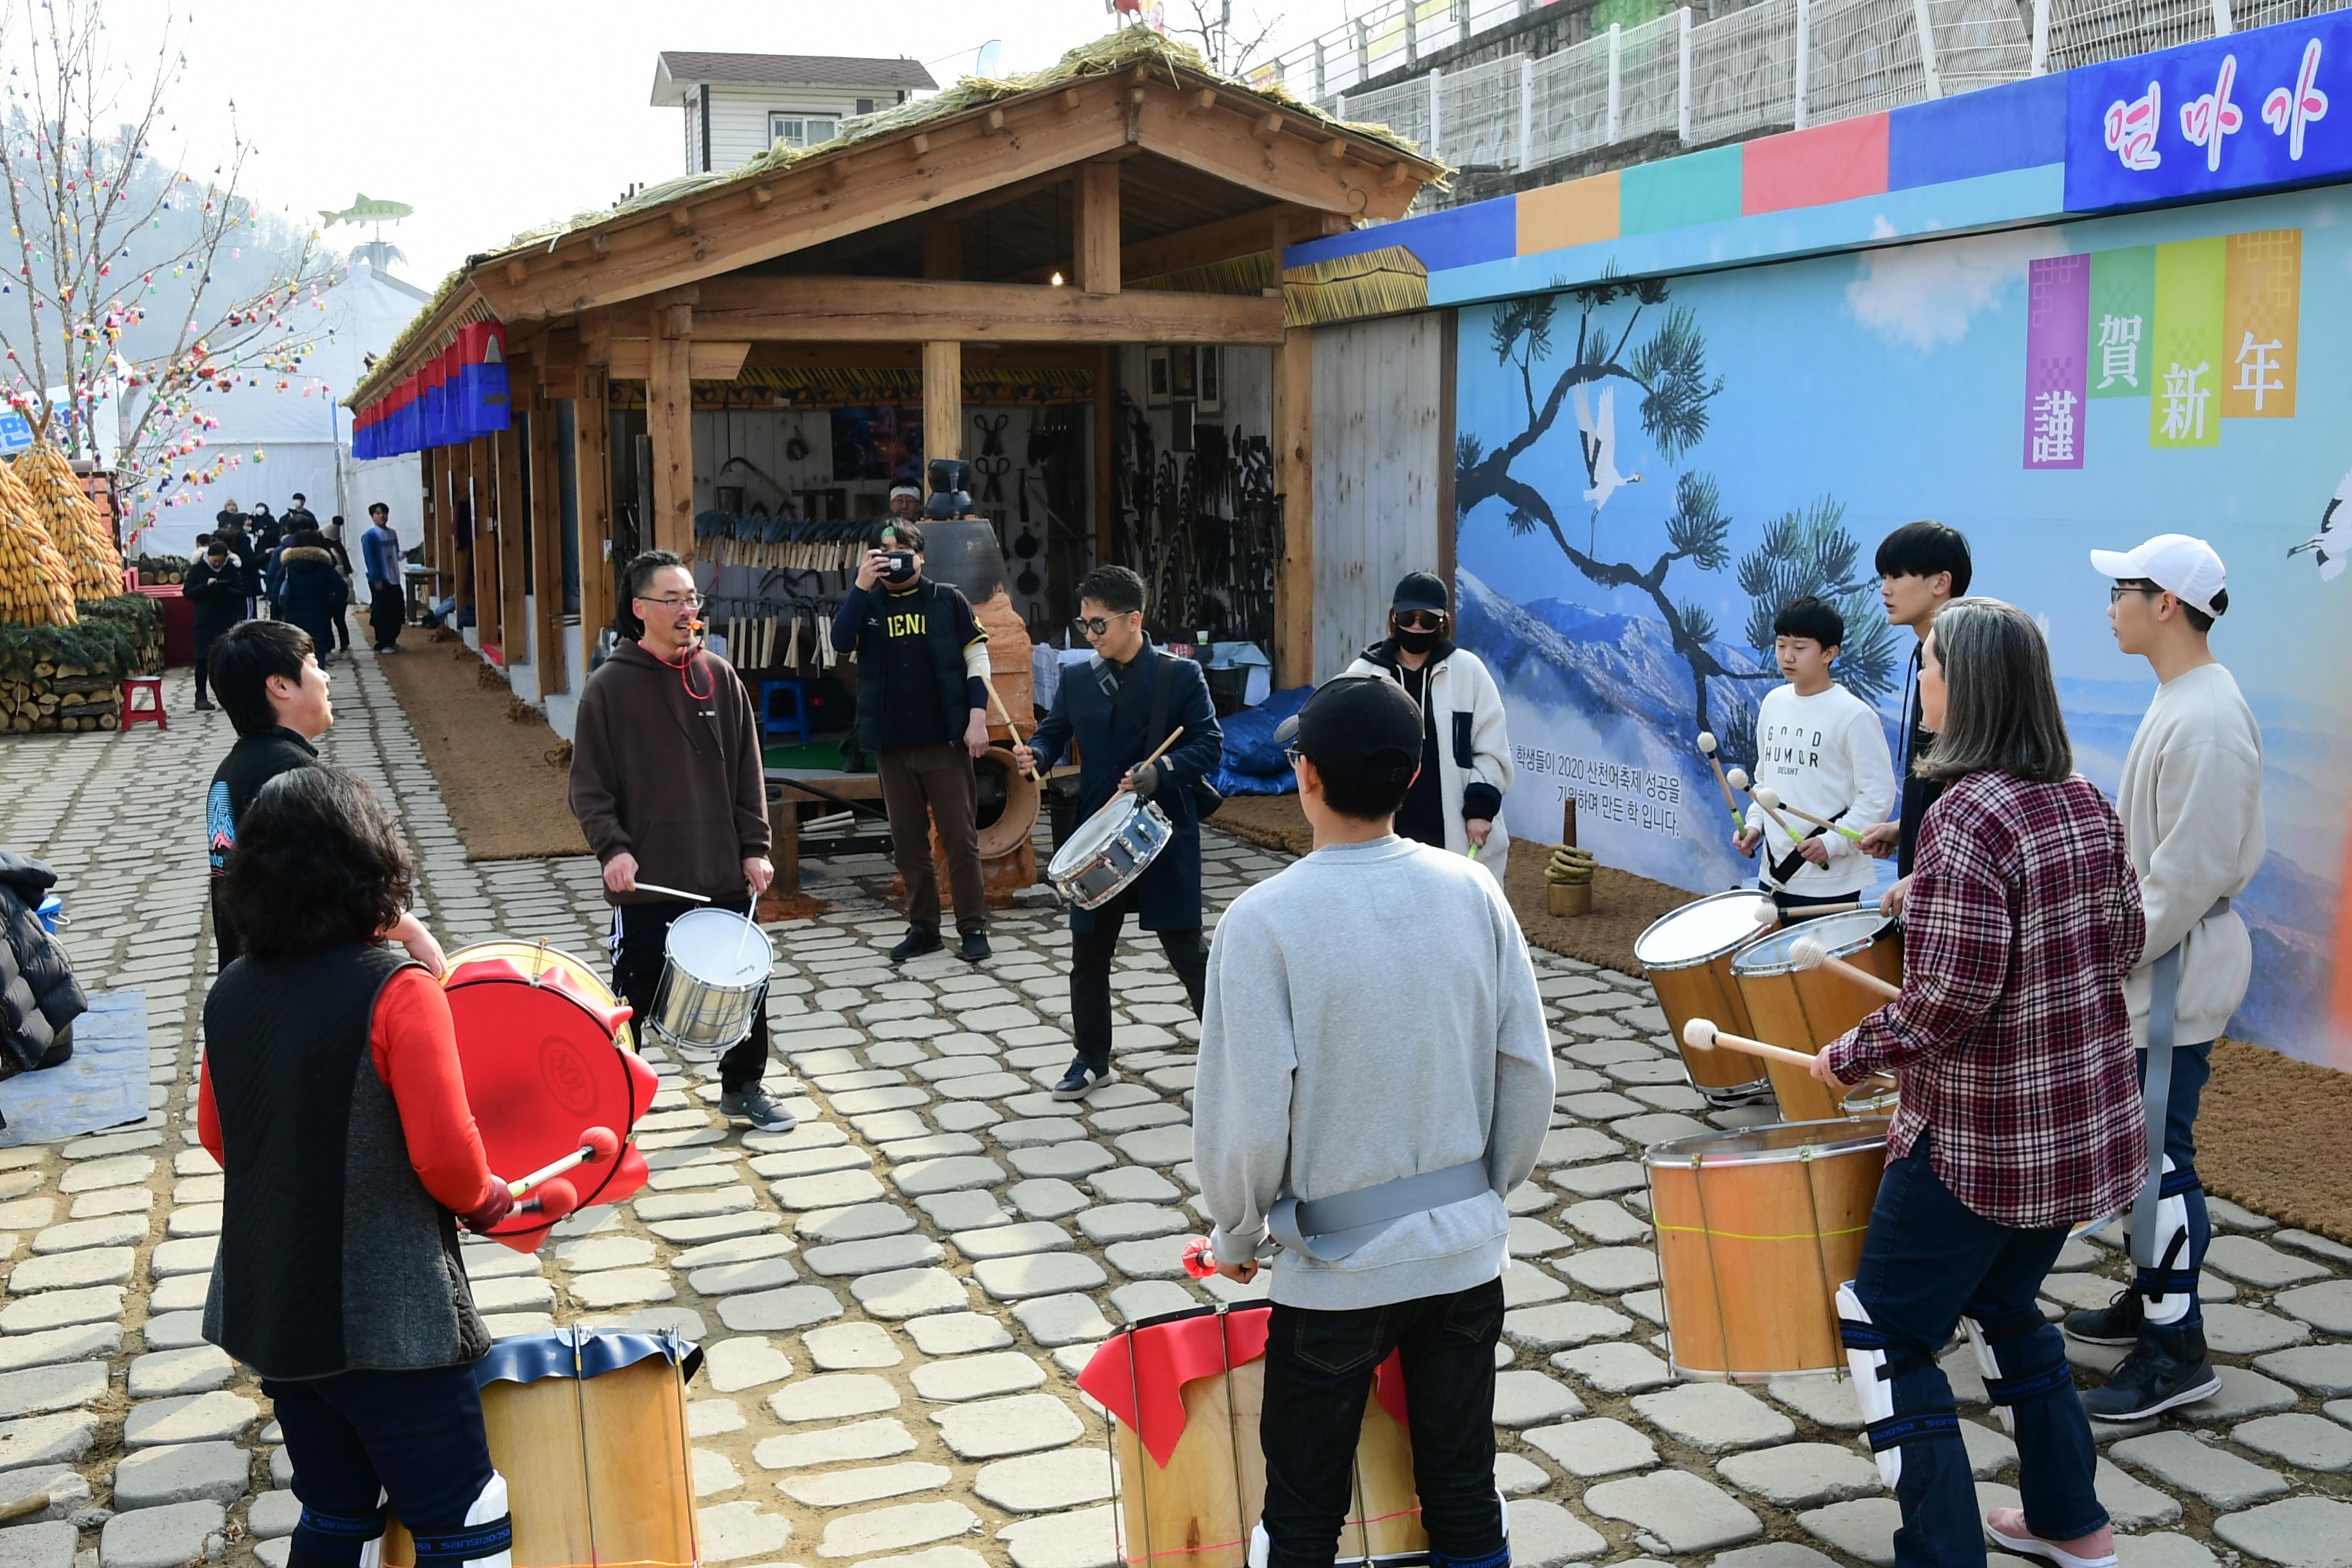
column 1090, row 955
column 226, row 943
column 1318, row 1371
column 341, row 626
column 386, row 609
column 638, row 934
column 409, row 1440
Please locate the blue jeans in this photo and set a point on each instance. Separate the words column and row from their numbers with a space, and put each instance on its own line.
column 413, row 1439
column 1318, row 1371
column 2192, row 1068
column 1927, row 1261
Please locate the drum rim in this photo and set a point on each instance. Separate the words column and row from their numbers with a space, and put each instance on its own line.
column 1675, row 1154
column 1745, row 965
column 1678, row 910
column 760, row 976
column 1080, row 849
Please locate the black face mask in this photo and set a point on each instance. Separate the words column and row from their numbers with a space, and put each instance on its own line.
column 1415, row 642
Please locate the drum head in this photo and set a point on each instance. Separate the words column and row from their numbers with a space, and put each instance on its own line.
column 1090, row 835
column 720, row 947
column 1838, row 934
column 1769, row 1146
column 1698, row 932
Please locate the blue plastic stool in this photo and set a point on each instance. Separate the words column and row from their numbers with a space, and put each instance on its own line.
column 795, row 722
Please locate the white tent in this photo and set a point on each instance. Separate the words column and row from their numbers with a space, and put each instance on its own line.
column 300, row 438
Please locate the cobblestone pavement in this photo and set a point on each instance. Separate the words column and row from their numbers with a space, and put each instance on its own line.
column 896, row 1294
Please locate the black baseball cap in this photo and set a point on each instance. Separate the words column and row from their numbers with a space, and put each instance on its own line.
column 1419, row 591
column 1353, row 721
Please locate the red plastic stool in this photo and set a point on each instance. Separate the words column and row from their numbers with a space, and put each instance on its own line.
column 151, row 712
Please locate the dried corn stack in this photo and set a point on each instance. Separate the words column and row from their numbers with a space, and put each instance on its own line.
column 37, row 586
column 75, row 527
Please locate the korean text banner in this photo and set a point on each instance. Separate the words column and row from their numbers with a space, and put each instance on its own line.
column 2245, row 112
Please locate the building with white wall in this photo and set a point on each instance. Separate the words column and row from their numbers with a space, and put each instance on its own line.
column 738, row 106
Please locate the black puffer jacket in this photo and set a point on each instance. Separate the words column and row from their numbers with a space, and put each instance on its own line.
column 38, row 994
column 309, row 591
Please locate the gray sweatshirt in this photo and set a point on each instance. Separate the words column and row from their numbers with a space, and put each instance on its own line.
column 1371, row 1014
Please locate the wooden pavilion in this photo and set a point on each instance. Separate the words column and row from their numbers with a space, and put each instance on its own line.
column 1130, row 197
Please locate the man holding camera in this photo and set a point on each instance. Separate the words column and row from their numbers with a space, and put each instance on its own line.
column 923, row 713
column 1128, row 700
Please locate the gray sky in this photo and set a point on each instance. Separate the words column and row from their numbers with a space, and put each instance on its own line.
column 490, row 117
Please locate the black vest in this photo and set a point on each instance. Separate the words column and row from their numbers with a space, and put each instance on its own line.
column 939, row 624
column 333, row 1257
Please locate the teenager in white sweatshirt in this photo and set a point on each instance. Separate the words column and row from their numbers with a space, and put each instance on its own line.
column 2192, row 805
column 1824, row 750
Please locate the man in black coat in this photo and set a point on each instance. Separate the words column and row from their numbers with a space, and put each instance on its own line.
column 39, row 998
column 310, row 593
column 215, row 589
column 1121, row 707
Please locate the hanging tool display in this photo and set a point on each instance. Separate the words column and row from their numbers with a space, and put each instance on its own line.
column 1201, row 528
column 789, row 543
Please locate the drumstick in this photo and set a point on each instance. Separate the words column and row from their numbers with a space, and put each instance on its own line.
column 1768, row 914
column 1155, row 756
column 1809, row 816
column 597, row 1144
column 1701, row 1034
column 1707, row 745
column 670, row 892
column 1807, row 953
column 1002, row 712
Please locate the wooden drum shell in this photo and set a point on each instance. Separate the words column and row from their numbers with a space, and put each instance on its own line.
column 1805, row 1009
column 1704, row 988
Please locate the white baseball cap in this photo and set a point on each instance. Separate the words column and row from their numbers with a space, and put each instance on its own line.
column 2185, row 567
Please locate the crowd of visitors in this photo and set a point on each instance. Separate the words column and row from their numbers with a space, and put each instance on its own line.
column 289, row 567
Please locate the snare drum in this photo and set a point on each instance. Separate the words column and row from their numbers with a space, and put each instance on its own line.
column 1186, row 1392
column 715, row 966
column 1755, row 1231
column 1805, row 1009
column 1688, row 957
column 1110, row 850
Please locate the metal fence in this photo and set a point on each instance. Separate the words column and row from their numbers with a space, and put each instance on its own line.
column 1773, row 65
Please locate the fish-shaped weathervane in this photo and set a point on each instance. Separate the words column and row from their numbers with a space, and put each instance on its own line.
column 365, row 209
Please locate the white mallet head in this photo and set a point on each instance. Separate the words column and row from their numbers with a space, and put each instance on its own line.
column 1700, row 1033
column 1707, row 741
column 1766, row 796
column 1807, row 953
column 1767, row 912
column 1737, row 778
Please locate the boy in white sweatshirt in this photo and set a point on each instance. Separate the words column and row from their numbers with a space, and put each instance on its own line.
column 1823, row 749
column 2192, row 805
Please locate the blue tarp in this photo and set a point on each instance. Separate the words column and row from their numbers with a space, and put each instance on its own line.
column 102, row 1084
column 1252, row 763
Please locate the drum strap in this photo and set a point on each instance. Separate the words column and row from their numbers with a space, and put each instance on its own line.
column 1329, row 1230
column 2163, row 1000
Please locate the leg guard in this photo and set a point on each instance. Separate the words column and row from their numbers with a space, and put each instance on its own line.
column 2009, row 1381
column 2170, row 1287
column 1261, row 1547
column 350, row 1540
column 1874, row 1387
column 485, row 1541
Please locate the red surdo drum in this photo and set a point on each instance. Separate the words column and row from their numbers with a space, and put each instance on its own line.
column 539, row 1038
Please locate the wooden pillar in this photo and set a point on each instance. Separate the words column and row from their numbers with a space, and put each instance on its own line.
column 483, row 470
column 1095, row 241
column 591, row 483
column 669, row 421
column 547, row 549
column 428, row 467
column 1106, row 457
column 514, row 538
column 1442, row 460
column 943, row 400
column 1294, row 484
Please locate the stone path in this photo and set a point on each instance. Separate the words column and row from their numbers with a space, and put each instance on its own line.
column 895, row 1295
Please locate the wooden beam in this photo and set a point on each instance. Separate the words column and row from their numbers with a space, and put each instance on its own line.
column 454, row 482
column 705, row 361
column 1094, row 236
column 942, row 399
column 429, row 463
column 1106, row 418
column 592, row 485
column 1294, row 484
column 943, row 250
column 481, row 467
column 554, row 663
column 1229, row 143
column 1244, row 234
column 596, row 338
column 891, row 311
column 669, row 421
column 514, row 538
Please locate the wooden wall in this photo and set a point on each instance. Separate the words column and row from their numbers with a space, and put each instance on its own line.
column 1380, row 464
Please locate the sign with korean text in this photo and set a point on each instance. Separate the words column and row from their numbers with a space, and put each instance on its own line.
column 2248, row 111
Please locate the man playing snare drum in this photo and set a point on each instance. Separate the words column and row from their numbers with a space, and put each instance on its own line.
column 1120, row 707
column 666, row 781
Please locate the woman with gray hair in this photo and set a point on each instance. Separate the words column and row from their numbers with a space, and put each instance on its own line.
column 2020, row 1114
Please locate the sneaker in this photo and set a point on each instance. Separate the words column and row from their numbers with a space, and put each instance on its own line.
column 916, row 943
column 2168, row 1367
column 1082, row 1080
column 755, row 1109
column 2116, row 1323
column 975, row 946
column 204, row 704
column 2008, row 1528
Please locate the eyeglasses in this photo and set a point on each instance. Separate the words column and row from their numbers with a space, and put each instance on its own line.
column 691, row 601
column 1096, row 625
column 2116, row 593
column 1291, row 754
column 1419, row 620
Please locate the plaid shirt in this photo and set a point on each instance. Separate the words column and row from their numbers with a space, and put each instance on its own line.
column 2012, row 1036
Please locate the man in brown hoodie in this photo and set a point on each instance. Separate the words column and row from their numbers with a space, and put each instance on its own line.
column 666, row 778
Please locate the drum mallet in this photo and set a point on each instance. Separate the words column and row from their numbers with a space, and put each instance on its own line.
column 1821, row 822
column 1770, row 914
column 1807, row 953
column 551, row 1200
column 667, row 892
column 1769, row 798
column 1707, row 745
column 597, row 1144
column 1701, row 1034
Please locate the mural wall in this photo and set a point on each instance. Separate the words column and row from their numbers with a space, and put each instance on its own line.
column 1647, row 470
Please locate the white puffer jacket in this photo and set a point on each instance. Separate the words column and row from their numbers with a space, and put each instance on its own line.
column 1472, row 748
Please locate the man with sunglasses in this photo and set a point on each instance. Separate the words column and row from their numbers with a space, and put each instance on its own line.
column 666, row 781
column 1127, row 701
column 2192, row 805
